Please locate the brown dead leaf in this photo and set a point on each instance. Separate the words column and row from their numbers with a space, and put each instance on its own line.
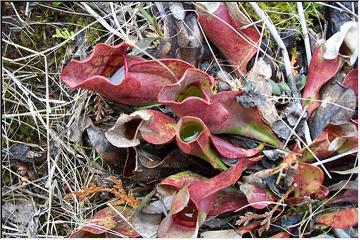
column 327, row 113
column 113, row 156
column 258, row 75
column 21, row 212
column 228, row 233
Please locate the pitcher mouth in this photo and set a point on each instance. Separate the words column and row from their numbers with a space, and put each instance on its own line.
column 190, row 131
column 188, row 216
column 193, row 90
column 105, row 61
column 194, row 84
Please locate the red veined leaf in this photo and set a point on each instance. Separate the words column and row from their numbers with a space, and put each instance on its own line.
column 320, row 71
column 258, row 197
column 351, row 80
column 309, row 180
column 343, row 219
column 221, row 113
column 192, row 204
column 240, row 43
column 107, row 220
column 126, row 79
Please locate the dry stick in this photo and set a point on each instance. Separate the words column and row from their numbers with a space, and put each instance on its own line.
column 294, row 128
column 304, row 31
column 287, row 64
column 281, row 44
column 335, row 157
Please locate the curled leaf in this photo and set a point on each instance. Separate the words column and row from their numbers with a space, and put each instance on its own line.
column 240, row 43
column 112, row 155
column 108, row 221
column 195, row 200
column 344, row 42
column 153, row 126
column 125, row 79
column 335, row 138
column 193, row 137
column 143, row 167
column 221, row 113
column 343, row 219
column 320, row 71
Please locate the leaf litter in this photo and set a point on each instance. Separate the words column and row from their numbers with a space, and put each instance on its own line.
column 183, row 132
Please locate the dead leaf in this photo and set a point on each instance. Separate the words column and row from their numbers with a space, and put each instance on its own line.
column 23, row 153
column 229, row 233
column 344, row 184
column 344, row 42
column 274, row 154
column 146, row 224
column 335, row 138
column 21, row 212
column 259, row 74
column 177, row 10
column 152, row 126
column 327, row 113
column 110, row 154
column 189, row 40
column 293, row 61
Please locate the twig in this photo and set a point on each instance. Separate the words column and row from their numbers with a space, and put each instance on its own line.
column 287, row 64
column 304, row 31
column 281, row 44
column 335, row 157
column 347, row 10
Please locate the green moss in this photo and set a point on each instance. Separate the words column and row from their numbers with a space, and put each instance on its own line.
column 285, row 14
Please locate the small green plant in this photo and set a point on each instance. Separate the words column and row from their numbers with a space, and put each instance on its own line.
column 64, row 34
column 55, row 4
